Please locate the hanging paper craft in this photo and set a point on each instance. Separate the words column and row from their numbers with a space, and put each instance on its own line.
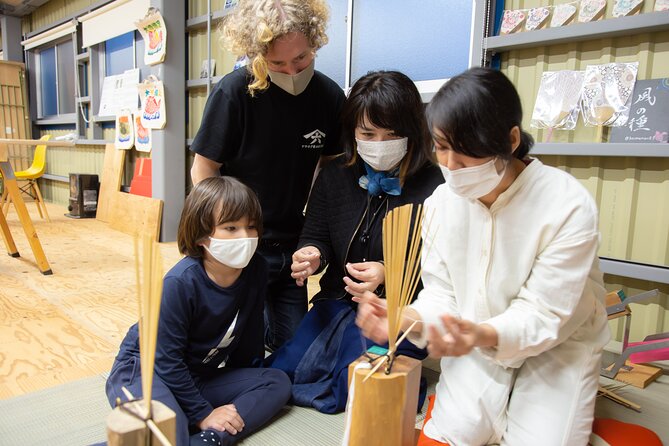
column 512, row 21
column 153, row 30
column 536, row 18
column 124, row 130
column 563, row 14
column 142, row 134
column 152, row 97
column 557, row 101
column 648, row 121
column 607, row 93
column 626, row 7
column 591, row 10
column 661, row 5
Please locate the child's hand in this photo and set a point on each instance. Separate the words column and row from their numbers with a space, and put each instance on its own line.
column 370, row 275
column 372, row 317
column 223, row 418
column 305, row 262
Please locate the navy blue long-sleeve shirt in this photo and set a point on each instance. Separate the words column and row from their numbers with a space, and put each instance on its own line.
column 204, row 328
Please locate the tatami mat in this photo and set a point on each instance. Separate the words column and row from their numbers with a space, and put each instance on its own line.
column 70, row 414
column 74, row 414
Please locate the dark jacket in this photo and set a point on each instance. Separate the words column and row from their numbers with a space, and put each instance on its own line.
column 336, row 208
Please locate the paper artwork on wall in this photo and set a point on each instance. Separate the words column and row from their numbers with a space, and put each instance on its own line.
column 512, row 21
column 125, row 134
column 153, row 31
column 591, row 10
column 152, row 97
column 607, row 93
column 119, row 92
column 661, row 5
column 649, row 114
column 563, row 14
column 622, row 8
column 143, row 141
column 536, row 18
column 557, row 102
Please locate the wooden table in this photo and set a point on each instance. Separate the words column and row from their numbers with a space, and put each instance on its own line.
column 10, row 184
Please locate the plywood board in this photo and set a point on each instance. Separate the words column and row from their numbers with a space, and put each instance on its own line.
column 639, row 375
column 110, row 183
column 136, row 215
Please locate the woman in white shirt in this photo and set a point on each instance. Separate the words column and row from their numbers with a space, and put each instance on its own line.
column 513, row 297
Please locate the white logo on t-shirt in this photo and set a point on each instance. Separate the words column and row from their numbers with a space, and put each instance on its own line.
column 315, row 136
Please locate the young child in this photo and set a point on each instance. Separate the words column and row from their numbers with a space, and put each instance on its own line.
column 210, row 333
column 513, row 295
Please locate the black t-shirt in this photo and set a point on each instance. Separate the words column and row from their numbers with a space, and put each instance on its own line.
column 272, row 142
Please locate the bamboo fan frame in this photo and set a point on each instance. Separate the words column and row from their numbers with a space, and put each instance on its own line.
column 149, row 277
column 401, row 252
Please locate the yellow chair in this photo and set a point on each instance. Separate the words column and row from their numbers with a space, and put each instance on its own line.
column 31, row 175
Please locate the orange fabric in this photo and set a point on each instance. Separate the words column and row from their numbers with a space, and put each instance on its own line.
column 617, row 433
column 424, row 440
column 614, row 432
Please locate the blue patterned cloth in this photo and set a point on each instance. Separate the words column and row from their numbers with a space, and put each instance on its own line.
column 376, row 182
column 316, row 359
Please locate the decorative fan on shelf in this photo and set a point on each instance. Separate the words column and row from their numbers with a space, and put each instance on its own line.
column 557, row 103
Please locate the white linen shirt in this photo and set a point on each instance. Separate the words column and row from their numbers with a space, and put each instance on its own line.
column 527, row 266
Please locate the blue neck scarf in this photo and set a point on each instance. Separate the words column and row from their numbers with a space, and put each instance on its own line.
column 376, row 182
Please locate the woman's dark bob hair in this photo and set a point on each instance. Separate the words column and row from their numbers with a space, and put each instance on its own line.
column 389, row 100
column 475, row 111
column 214, row 201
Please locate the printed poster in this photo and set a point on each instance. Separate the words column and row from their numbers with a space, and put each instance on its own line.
column 649, row 114
column 119, row 92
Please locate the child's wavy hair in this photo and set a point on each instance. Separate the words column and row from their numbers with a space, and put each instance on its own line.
column 255, row 24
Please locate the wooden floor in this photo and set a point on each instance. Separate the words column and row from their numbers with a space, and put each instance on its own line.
column 60, row 328
column 68, row 325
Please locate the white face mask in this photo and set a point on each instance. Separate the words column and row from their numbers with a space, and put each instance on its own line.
column 474, row 182
column 382, row 155
column 233, row 252
column 293, row 83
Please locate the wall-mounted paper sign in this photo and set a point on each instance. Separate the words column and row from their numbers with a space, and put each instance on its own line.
column 143, row 140
column 125, row 133
column 649, row 114
column 152, row 96
column 119, row 92
column 153, row 30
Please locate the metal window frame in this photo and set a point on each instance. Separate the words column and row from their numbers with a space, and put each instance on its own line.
column 426, row 88
column 34, row 54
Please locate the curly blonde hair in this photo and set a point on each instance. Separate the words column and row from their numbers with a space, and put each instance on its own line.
column 255, row 24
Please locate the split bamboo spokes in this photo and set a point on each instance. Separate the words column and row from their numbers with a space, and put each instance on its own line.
column 390, row 356
column 137, row 409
